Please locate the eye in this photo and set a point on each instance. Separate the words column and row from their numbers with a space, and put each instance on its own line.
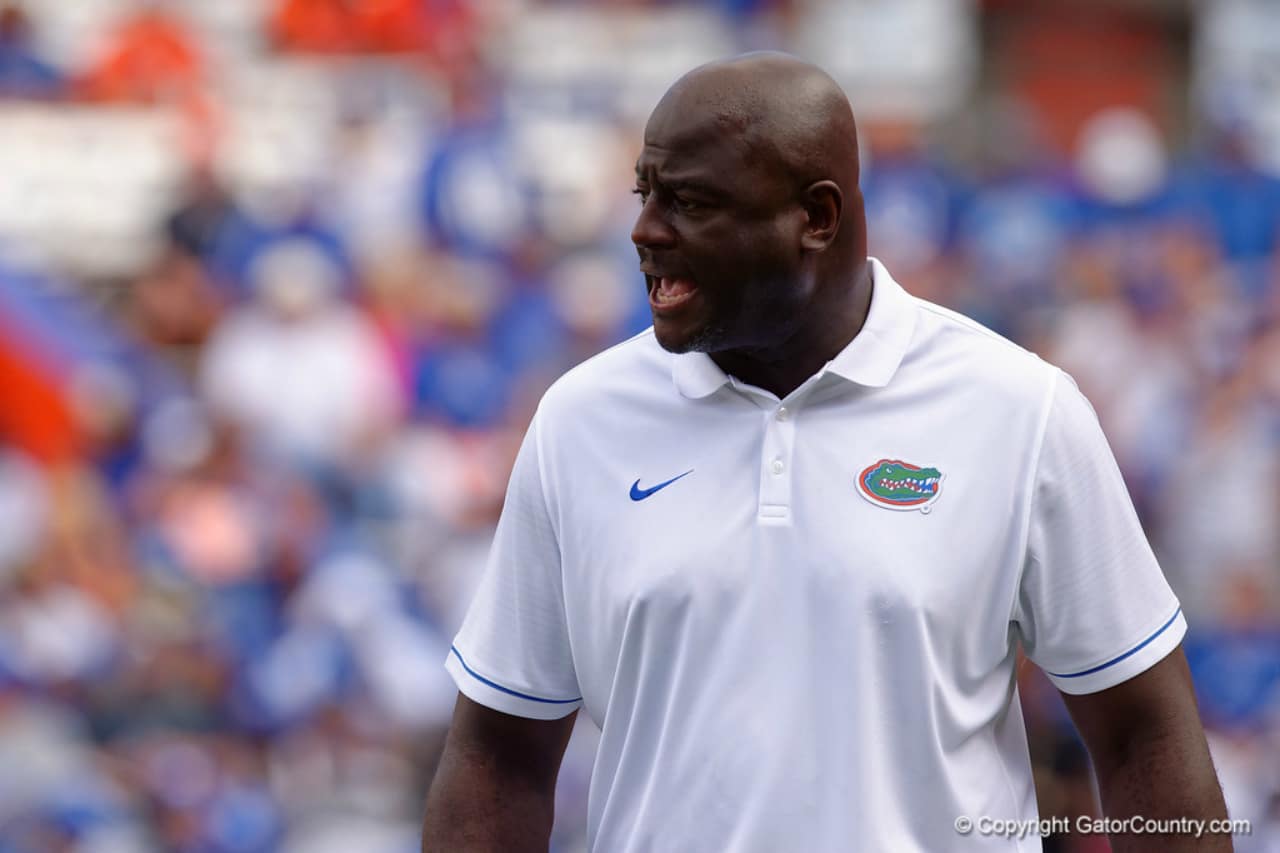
column 643, row 194
column 685, row 204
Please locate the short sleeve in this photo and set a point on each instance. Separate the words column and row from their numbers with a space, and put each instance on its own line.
column 1093, row 607
column 512, row 653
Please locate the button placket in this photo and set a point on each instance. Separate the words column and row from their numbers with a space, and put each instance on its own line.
column 776, row 465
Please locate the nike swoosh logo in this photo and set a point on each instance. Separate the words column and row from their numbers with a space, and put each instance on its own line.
column 639, row 494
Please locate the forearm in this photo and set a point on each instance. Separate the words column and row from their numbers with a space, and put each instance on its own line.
column 475, row 807
column 1163, row 776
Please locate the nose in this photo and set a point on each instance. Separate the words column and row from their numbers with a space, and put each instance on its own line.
column 651, row 230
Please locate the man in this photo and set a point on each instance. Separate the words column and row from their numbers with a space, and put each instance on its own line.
column 783, row 547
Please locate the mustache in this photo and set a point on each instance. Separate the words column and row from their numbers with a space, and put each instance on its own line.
column 662, row 267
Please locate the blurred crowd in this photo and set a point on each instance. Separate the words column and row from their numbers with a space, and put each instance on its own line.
column 250, row 464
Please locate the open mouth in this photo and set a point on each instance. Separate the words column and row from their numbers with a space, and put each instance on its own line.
column 667, row 293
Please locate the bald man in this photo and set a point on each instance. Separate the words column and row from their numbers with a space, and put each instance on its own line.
column 784, row 547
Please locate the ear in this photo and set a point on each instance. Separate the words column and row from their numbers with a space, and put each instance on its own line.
column 823, row 204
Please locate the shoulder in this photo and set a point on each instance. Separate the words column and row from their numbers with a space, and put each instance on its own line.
column 951, row 349
column 635, row 368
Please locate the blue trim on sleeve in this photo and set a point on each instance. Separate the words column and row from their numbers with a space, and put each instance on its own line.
column 478, row 677
column 1117, row 660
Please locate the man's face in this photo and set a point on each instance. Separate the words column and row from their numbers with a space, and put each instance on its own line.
column 718, row 234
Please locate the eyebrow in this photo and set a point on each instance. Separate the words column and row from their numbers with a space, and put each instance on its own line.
column 695, row 187
column 686, row 185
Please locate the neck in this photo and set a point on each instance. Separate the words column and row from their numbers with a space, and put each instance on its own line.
column 828, row 328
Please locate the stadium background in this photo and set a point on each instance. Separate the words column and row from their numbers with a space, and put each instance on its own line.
column 281, row 281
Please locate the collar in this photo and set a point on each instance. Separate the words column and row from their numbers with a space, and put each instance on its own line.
column 870, row 359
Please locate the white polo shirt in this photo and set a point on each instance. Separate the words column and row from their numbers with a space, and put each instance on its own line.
column 796, row 622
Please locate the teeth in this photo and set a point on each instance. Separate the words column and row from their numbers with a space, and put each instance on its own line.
column 667, row 290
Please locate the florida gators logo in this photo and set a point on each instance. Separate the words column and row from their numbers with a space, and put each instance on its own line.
column 894, row 484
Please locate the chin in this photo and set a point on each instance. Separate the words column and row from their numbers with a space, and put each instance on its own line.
column 706, row 339
column 675, row 343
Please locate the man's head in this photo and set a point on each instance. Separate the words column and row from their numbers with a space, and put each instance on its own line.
column 752, row 223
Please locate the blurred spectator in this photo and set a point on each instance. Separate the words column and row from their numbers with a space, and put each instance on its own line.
column 370, row 192
column 63, row 793
column 24, row 73
column 173, row 307
column 473, row 199
column 210, row 226
column 296, row 368
column 456, row 377
column 1015, row 230
column 1238, row 205
column 154, row 58
column 370, row 26
column 151, row 58
column 1220, row 532
column 911, row 199
column 201, row 508
column 24, row 504
column 1121, row 158
column 87, row 545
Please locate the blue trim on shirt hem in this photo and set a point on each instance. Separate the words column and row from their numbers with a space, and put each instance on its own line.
column 478, row 677
column 1117, row 660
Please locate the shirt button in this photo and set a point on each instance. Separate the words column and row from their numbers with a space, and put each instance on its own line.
column 778, row 466
column 783, row 414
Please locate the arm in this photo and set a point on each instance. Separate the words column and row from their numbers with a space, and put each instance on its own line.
column 495, row 787
column 1150, row 755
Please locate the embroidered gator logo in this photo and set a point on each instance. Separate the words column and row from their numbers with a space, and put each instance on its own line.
column 894, row 484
